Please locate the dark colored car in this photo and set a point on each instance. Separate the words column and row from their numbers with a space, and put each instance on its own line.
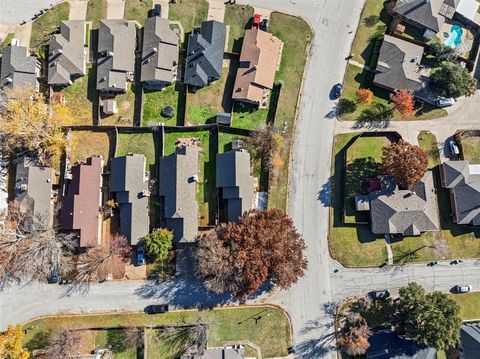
column 264, row 25
column 54, row 277
column 140, row 256
column 156, row 309
column 337, row 91
column 379, row 294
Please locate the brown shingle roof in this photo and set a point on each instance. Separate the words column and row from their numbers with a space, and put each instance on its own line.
column 82, row 201
column 258, row 64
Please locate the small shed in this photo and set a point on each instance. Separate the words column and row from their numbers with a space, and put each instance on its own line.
column 110, row 107
column 223, row 118
column 237, row 144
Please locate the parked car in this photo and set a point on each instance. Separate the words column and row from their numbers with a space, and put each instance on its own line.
column 444, row 102
column 462, row 289
column 337, row 91
column 54, row 277
column 256, row 20
column 264, row 25
column 156, row 309
column 379, row 294
column 453, row 147
column 140, row 255
column 157, row 10
column 431, row 264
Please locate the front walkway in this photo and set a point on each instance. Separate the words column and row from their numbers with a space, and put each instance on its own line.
column 216, row 10
column 78, row 9
column 115, row 9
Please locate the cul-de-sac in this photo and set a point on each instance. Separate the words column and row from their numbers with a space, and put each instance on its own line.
column 233, row 179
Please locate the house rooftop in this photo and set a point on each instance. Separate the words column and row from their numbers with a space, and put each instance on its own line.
column 130, row 185
column 18, row 69
column 66, row 53
column 387, row 345
column 470, row 340
column 423, row 12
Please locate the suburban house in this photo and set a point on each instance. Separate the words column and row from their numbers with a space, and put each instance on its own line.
column 116, row 55
column 204, row 57
column 129, row 184
column 399, row 67
column 178, row 177
column 82, row 201
column 229, row 352
column 33, row 191
column 400, row 212
column 259, row 61
column 469, row 344
column 430, row 15
column 388, row 345
column 235, row 184
column 159, row 54
column 463, row 181
column 18, row 69
column 67, row 54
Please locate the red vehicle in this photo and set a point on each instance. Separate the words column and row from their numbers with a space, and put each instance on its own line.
column 256, row 20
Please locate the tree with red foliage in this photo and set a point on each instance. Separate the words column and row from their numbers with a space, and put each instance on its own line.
column 364, row 96
column 405, row 162
column 403, row 102
column 240, row 257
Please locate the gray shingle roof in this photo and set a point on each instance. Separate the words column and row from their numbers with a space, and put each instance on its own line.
column 129, row 184
column 465, row 187
column 205, row 54
column 405, row 212
column 18, row 70
column 397, row 67
column 159, row 52
column 66, row 53
column 178, row 187
column 423, row 12
column 33, row 191
column 470, row 341
column 116, row 50
column 237, row 184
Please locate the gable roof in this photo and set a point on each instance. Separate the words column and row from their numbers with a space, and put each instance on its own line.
column 18, row 69
column 233, row 177
column 463, row 180
column 470, row 340
column 81, row 203
column 66, row 53
column 205, row 54
column 129, row 183
column 33, row 191
column 387, row 345
column 258, row 64
column 423, row 12
column 406, row 212
column 159, row 51
column 116, row 50
column 397, row 67
column 178, row 187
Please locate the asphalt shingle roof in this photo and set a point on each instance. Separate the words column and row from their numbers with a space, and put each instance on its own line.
column 18, row 70
column 470, row 341
column 423, row 12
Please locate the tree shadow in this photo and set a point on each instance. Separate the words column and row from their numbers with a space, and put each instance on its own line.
column 377, row 116
column 325, row 193
column 229, row 85
column 40, row 340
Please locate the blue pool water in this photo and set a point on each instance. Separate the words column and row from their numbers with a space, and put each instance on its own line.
column 455, row 37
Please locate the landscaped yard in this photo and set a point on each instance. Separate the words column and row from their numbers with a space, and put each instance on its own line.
column 43, row 26
column 137, row 10
column 271, row 332
column 154, row 103
column 142, row 143
column 239, row 18
column 471, row 149
column 7, row 40
column 96, row 11
column 87, row 143
column 125, row 106
column 190, row 13
column 469, row 305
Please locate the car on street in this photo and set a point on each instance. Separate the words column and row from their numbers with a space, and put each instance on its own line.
column 462, row 289
column 140, row 255
column 453, row 147
column 379, row 294
column 444, row 102
column 156, row 309
column 337, row 91
column 456, row 261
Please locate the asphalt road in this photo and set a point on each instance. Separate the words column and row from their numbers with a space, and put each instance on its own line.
column 16, row 11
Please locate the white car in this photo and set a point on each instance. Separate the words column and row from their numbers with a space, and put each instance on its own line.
column 463, row 288
column 453, row 147
column 444, row 102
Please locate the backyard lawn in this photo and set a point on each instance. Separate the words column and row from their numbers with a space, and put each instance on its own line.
column 428, row 142
column 86, row 143
column 471, row 149
column 154, row 102
column 249, row 116
column 142, row 143
column 137, row 10
column 190, row 13
column 239, row 18
column 271, row 333
column 43, row 26
column 352, row 245
column 125, row 106
column 96, row 11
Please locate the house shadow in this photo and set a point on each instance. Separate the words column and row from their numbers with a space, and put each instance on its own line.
column 227, row 101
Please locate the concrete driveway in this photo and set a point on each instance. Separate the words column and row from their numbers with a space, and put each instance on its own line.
column 78, row 9
column 115, row 9
column 216, row 10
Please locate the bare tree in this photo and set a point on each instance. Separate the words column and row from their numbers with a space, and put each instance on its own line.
column 133, row 336
column 63, row 343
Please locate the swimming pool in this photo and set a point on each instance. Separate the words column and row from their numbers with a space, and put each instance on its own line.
column 455, row 37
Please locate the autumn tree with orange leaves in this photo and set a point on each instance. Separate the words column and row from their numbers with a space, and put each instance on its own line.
column 404, row 103
column 364, row 96
column 353, row 337
column 240, row 257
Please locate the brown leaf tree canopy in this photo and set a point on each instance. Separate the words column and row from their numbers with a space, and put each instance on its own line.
column 405, row 162
column 353, row 337
column 239, row 257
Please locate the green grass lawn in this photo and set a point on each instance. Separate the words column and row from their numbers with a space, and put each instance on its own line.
column 271, row 333
column 249, row 116
column 238, row 17
column 471, row 149
column 352, row 245
column 154, row 103
column 142, row 143
column 469, row 305
column 7, row 40
column 96, row 11
column 190, row 13
column 137, row 10
column 291, row 70
column 43, row 26
column 428, row 142
column 206, row 194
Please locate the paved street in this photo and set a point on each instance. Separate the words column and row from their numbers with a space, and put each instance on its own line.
column 15, row 11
